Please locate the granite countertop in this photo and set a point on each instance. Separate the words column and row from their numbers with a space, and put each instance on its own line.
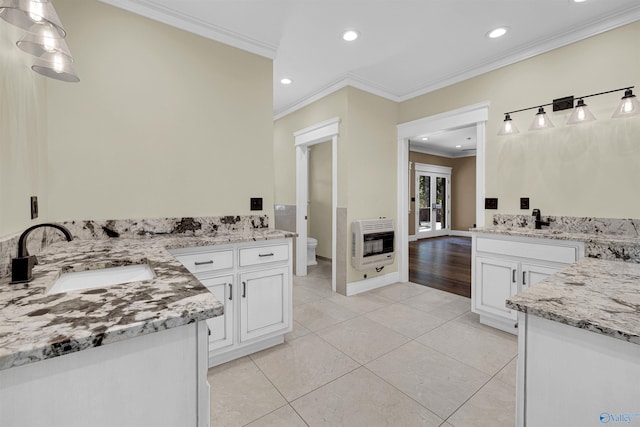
column 35, row 326
column 621, row 247
column 596, row 295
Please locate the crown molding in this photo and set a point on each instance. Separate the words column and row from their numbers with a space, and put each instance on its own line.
column 194, row 25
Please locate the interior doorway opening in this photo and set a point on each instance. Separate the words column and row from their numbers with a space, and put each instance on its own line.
column 433, row 200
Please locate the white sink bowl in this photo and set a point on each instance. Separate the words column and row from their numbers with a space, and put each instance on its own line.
column 101, row 278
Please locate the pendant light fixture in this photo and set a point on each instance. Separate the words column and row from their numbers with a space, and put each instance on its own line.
column 508, row 127
column 33, row 16
column 580, row 114
column 541, row 121
column 629, row 105
column 44, row 38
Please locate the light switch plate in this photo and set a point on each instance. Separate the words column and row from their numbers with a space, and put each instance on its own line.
column 524, row 203
column 256, row 203
column 491, row 203
column 34, row 207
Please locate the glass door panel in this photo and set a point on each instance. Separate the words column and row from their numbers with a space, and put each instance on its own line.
column 432, row 204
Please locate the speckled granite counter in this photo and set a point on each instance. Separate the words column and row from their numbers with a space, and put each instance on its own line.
column 35, row 326
column 596, row 295
column 603, row 238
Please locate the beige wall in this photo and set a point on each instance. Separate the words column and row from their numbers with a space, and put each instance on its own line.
column 23, row 143
column 463, row 188
column 586, row 170
column 372, row 170
column 163, row 122
column 320, row 188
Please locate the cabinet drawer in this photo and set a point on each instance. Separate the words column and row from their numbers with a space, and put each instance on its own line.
column 263, row 255
column 207, row 261
column 538, row 251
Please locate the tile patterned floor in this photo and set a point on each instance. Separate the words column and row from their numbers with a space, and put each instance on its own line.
column 402, row 355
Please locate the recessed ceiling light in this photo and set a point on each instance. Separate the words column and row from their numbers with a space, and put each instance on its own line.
column 497, row 32
column 425, row 138
column 458, row 146
column 286, row 81
column 350, row 35
column 578, row 1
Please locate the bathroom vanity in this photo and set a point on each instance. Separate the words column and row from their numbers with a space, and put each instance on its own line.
column 137, row 353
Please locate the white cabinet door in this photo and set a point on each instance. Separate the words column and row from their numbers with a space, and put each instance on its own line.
column 496, row 281
column 264, row 302
column 221, row 327
column 532, row 274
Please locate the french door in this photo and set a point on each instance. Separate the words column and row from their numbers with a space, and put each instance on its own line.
column 433, row 200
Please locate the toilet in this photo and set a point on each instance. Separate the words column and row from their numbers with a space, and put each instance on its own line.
column 312, row 244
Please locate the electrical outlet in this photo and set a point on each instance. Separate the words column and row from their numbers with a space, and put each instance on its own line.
column 34, row 207
column 256, row 203
column 491, row 203
column 524, row 203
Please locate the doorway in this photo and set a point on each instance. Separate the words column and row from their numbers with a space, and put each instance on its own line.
column 433, row 201
column 304, row 139
column 476, row 115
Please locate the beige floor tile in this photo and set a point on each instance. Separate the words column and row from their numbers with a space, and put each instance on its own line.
column 508, row 374
column 438, row 382
column 433, row 299
column 319, row 286
column 303, row 295
column 284, row 416
column 405, row 320
column 362, row 399
column 453, row 309
column 240, row 393
column 399, row 291
column 302, row 365
column 318, row 315
column 484, row 351
column 493, row 406
column 297, row 332
column 362, row 303
column 362, row 339
column 473, row 319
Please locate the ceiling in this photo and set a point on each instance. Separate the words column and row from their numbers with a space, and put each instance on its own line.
column 448, row 143
column 406, row 47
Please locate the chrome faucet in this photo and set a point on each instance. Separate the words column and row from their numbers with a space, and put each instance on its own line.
column 22, row 266
column 539, row 222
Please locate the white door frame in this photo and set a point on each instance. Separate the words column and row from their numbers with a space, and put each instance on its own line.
column 471, row 115
column 305, row 138
column 435, row 171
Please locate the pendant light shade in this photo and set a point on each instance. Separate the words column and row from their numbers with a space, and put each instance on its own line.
column 629, row 105
column 580, row 114
column 34, row 16
column 541, row 121
column 508, row 127
column 58, row 66
column 45, row 47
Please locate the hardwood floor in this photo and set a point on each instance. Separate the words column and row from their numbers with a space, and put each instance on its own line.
column 442, row 263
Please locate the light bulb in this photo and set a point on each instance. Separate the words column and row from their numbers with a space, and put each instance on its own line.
column 508, row 128
column 35, row 11
column 628, row 106
column 48, row 42
column 57, row 63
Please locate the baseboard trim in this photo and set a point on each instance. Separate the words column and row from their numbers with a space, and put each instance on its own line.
column 413, row 238
column 354, row 288
column 460, row 233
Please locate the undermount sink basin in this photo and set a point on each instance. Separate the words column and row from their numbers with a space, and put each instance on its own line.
column 102, row 277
